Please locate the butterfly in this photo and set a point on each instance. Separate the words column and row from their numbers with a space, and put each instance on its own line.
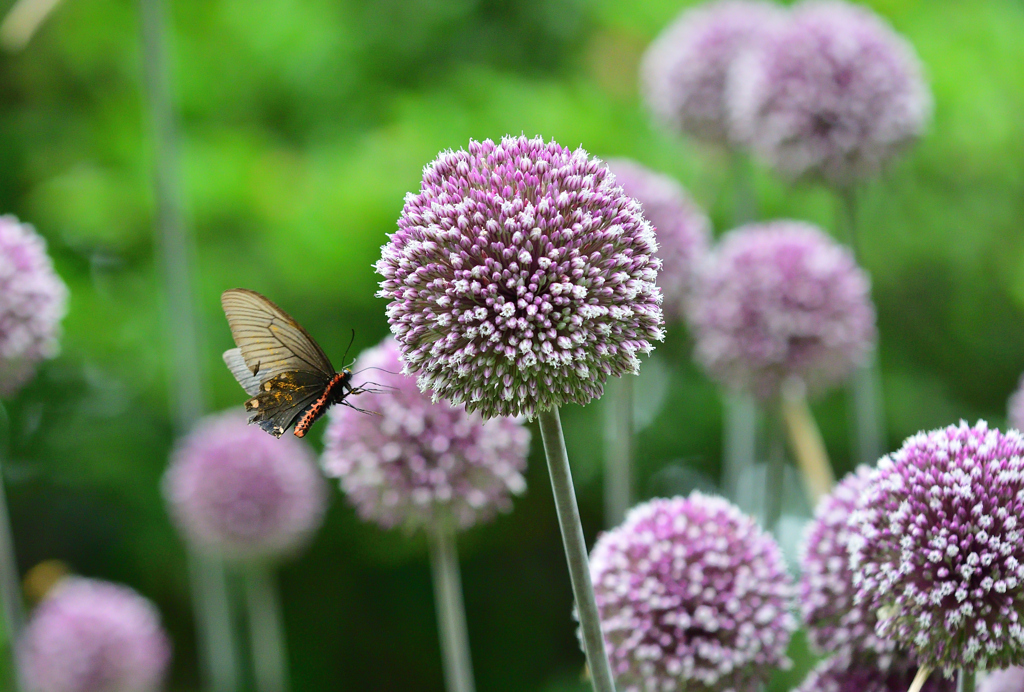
column 287, row 374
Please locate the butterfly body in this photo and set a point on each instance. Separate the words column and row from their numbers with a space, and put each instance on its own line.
column 285, row 372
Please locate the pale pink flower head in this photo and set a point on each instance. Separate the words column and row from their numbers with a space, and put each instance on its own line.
column 837, row 674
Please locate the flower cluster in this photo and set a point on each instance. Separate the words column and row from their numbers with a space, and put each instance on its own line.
column 777, row 300
column 420, row 462
column 33, row 301
column 937, row 550
column 692, row 595
column 520, row 278
column 93, row 636
column 836, row 674
column 235, row 491
column 685, row 70
column 832, row 93
column 682, row 229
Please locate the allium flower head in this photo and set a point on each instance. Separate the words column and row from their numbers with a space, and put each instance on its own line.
column 685, row 70
column 422, row 462
column 835, row 624
column 235, row 491
column 832, row 94
column 836, row 674
column 692, row 596
column 33, row 301
column 1015, row 412
column 93, row 636
column 520, row 278
column 1006, row 680
column 781, row 299
column 937, row 549
column 681, row 227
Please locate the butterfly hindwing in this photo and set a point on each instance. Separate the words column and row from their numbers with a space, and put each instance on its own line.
column 236, row 364
column 280, row 400
column 269, row 341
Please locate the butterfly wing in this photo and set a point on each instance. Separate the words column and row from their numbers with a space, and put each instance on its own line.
column 236, row 364
column 279, row 401
column 269, row 341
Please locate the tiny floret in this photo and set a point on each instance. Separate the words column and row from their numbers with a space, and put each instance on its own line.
column 93, row 636
column 692, row 596
column 831, row 94
column 33, row 301
column 236, row 492
column 681, row 227
column 779, row 300
column 945, row 487
column 422, row 463
column 520, row 278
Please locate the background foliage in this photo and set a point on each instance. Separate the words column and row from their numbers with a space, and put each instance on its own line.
column 303, row 125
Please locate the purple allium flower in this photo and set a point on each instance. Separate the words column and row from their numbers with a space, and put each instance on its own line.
column 93, row 636
column 692, row 596
column 832, row 94
column 422, row 462
column 520, row 278
column 685, row 70
column 237, row 492
column 836, row 674
column 937, row 550
column 781, row 299
column 33, row 301
column 681, row 227
column 1006, row 680
column 835, row 624
column 1015, row 412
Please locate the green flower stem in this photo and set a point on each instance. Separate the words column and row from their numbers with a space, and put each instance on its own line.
column 212, row 610
column 10, row 581
column 744, row 208
column 451, row 612
column 740, row 443
column 618, row 464
column 806, row 443
column 776, row 469
column 266, row 632
column 922, row 676
column 965, row 680
column 575, row 550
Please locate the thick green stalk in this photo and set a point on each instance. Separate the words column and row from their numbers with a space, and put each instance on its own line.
column 776, row 469
column 266, row 632
column 740, row 443
column 965, row 680
column 618, row 464
column 10, row 581
column 575, row 550
column 451, row 611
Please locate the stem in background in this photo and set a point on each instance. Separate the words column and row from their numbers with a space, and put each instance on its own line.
column 451, row 611
column 865, row 388
column 10, row 581
column 805, row 439
column 744, row 199
column 22, row 21
column 575, row 550
column 775, row 474
column 740, row 442
column 269, row 655
column 618, row 464
column 212, row 610
column 965, row 680
column 922, row 676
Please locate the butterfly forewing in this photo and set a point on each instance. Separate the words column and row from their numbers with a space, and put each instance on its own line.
column 269, row 341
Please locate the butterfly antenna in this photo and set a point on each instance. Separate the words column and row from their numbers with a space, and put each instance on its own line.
column 374, row 367
column 350, row 342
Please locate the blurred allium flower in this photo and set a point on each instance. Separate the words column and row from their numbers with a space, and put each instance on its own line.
column 682, row 229
column 1015, row 412
column 421, row 462
column 835, row 624
column 685, row 70
column 520, row 278
column 833, row 94
column 937, row 549
column 781, row 299
column 33, row 301
column 1006, row 680
column 93, row 636
column 836, row 674
column 692, row 596
column 237, row 492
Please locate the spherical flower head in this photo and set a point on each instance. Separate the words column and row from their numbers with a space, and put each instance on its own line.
column 780, row 300
column 1015, row 412
column 831, row 94
column 835, row 624
column 520, row 278
column 692, row 595
column 422, row 463
column 681, row 227
column 1006, row 680
column 93, row 636
column 237, row 492
column 685, row 70
column 33, row 301
column 937, row 550
column 837, row 674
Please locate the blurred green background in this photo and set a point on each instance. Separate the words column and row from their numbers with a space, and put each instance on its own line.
column 303, row 124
